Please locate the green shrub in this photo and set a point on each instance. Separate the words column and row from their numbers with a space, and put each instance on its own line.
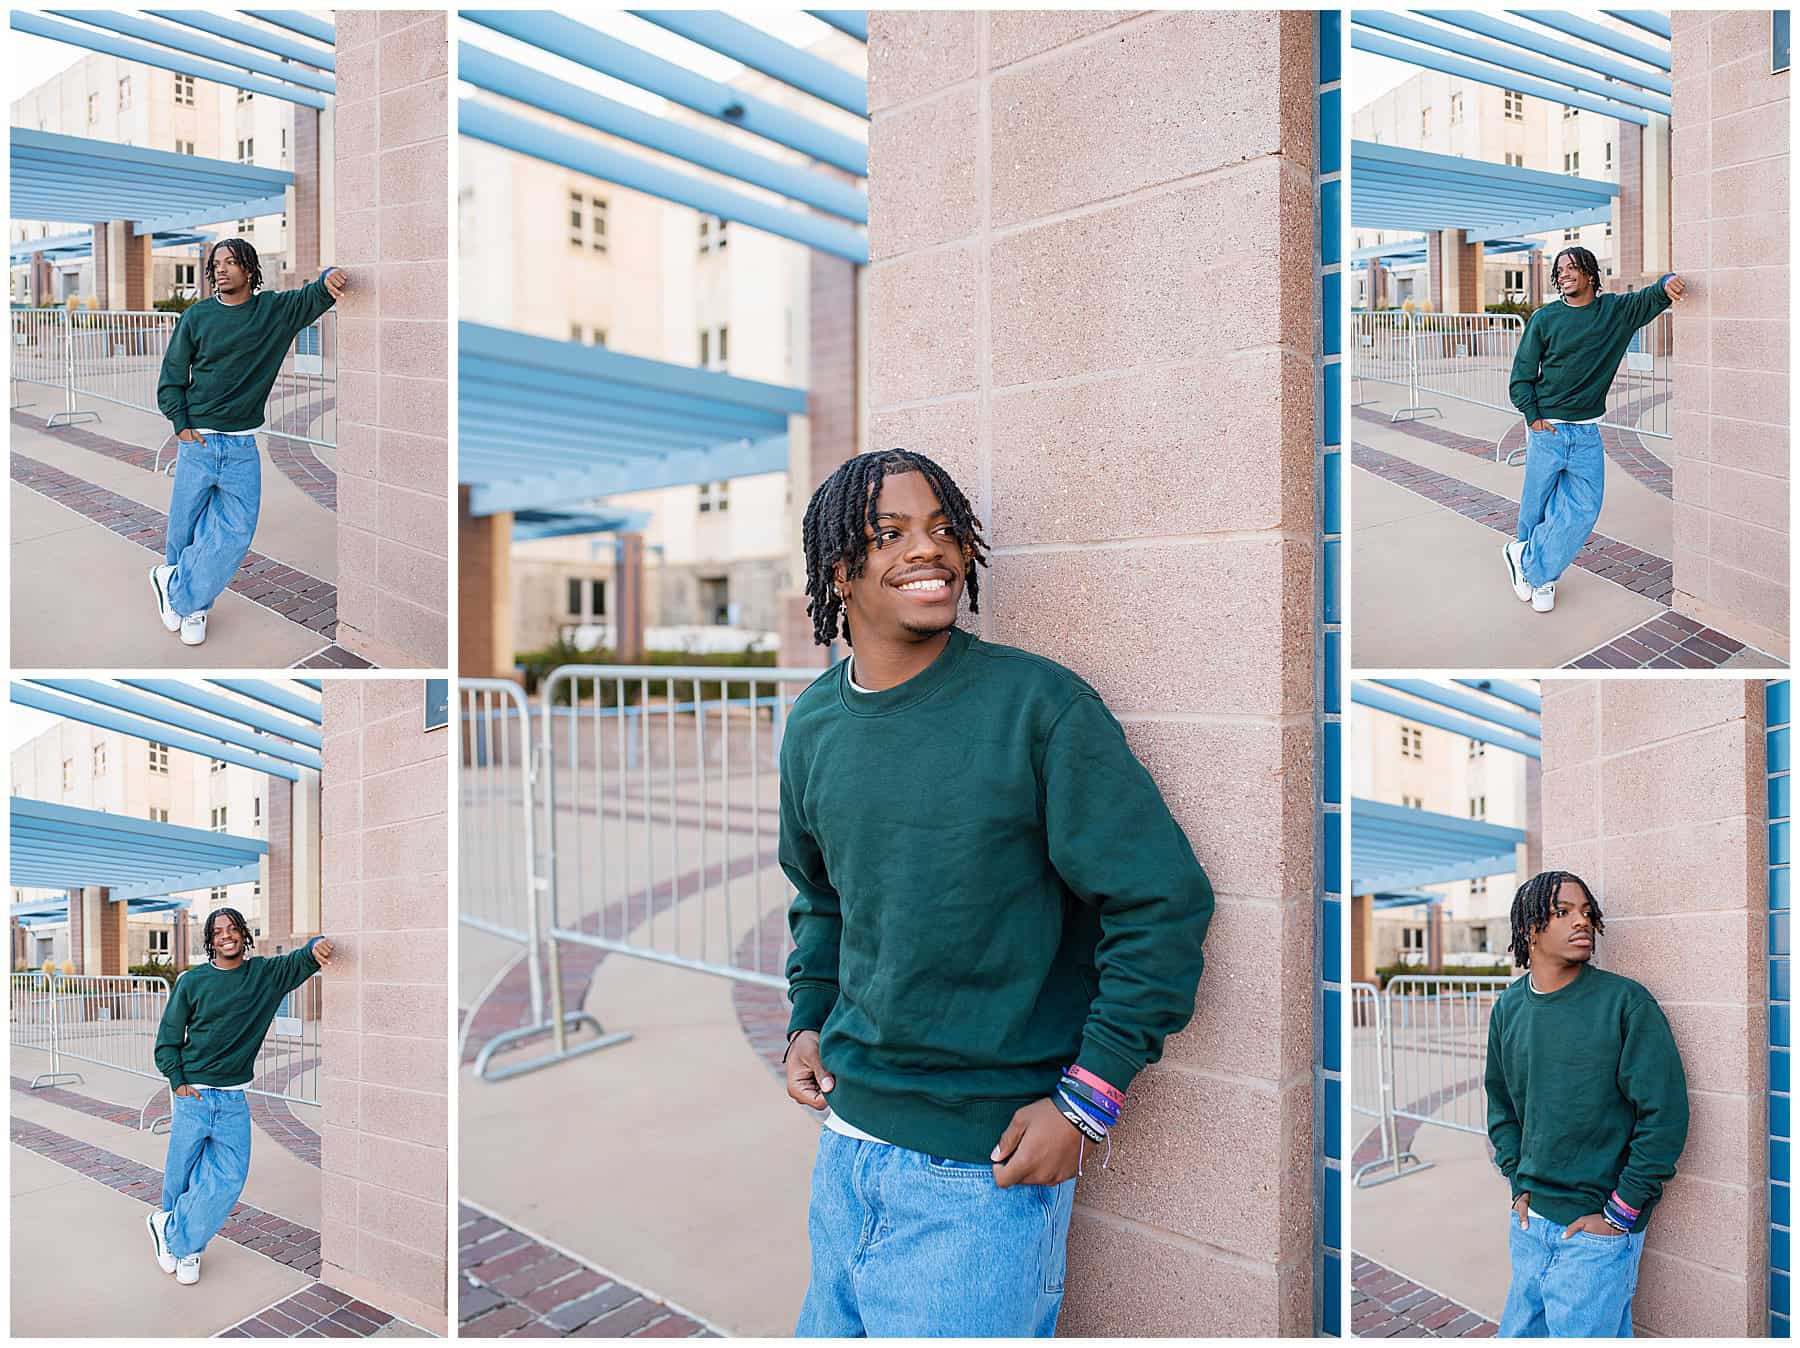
column 1386, row 973
column 175, row 304
column 155, row 969
column 536, row 667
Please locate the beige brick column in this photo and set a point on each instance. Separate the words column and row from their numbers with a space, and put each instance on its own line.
column 115, row 945
column 1628, row 213
column 102, row 250
column 384, row 1083
column 278, row 825
column 1654, row 792
column 1729, row 205
column 1079, row 303
column 139, row 271
column 1434, row 269
column 484, row 636
column 391, row 230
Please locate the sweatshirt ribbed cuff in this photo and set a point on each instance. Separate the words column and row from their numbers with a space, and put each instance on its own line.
column 812, row 1004
column 1115, row 1071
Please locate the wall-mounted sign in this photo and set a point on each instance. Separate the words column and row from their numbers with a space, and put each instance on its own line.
column 437, row 703
column 1778, row 57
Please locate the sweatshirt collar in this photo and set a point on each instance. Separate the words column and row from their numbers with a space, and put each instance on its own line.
column 914, row 691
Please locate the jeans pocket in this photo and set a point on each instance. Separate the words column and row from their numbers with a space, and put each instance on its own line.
column 945, row 1168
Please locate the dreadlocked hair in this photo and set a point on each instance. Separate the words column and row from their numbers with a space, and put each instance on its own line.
column 237, row 920
column 1531, row 910
column 1586, row 263
column 242, row 252
column 844, row 505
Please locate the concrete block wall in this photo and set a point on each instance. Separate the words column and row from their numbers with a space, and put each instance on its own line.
column 1654, row 792
column 391, row 230
column 385, row 1082
column 1729, row 205
column 1079, row 303
column 1778, row 715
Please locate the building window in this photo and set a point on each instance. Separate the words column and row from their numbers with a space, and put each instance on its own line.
column 1609, row 154
column 125, row 94
column 256, row 813
column 246, row 226
column 1515, row 160
column 1572, row 162
column 1412, row 945
column 244, row 95
column 1424, row 123
column 1476, row 748
column 1569, row 112
column 1609, row 229
column 1478, row 807
column 713, row 236
column 159, row 943
column 218, row 895
column 159, row 814
column 184, row 147
column 218, row 818
column 715, row 497
column 1478, row 936
column 68, row 774
column 93, row 109
column 587, row 335
column 1412, row 802
column 714, row 348
column 215, row 765
column 184, row 91
column 1455, row 109
column 587, row 221
column 1478, row 890
column 1514, row 106
column 99, row 760
column 247, row 150
column 284, row 146
column 1570, row 235
column 1412, row 742
column 159, row 759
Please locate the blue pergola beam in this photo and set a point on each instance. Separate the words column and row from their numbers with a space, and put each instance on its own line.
column 58, row 846
column 1444, row 39
column 1405, row 189
column 771, row 56
column 537, row 141
column 1469, row 704
column 275, row 695
column 178, row 40
column 1647, row 19
column 57, row 177
column 1516, row 693
column 564, row 37
column 1608, row 39
column 251, row 35
column 1448, row 873
column 1488, row 25
column 1364, row 695
column 296, row 22
column 215, row 215
column 1394, row 847
column 214, row 879
column 1428, row 58
column 534, row 524
column 1545, row 224
column 522, row 84
column 75, row 710
column 64, row 246
column 854, row 22
column 493, row 493
column 231, row 709
column 154, row 56
column 160, row 709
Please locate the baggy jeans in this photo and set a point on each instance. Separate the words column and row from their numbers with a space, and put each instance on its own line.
column 212, row 517
column 1559, row 504
column 207, row 1166
column 1579, row 1288
column 906, row 1245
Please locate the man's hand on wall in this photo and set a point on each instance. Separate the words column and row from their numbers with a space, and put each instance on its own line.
column 1039, row 1146
column 337, row 281
column 1675, row 288
column 322, row 951
column 807, row 1079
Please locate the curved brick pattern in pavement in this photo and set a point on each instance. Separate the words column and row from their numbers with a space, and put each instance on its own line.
column 763, row 1012
column 1668, row 641
column 513, row 1286
column 296, row 596
column 1387, row 1305
column 266, row 1233
column 319, row 1311
column 1625, row 448
column 1636, row 570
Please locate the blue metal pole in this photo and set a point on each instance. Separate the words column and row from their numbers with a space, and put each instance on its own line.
column 577, row 42
column 1545, row 45
column 1428, row 59
column 598, row 161
column 1608, row 39
column 129, row 700
column 1468, row 703
column 1515, row 693
column 251, row 35
column 1647, row 19
column 296, row 22
column 274, row 695
column 778, row 60
column 178, row 40
column 855, row 22
column 155, row 732
column 521, row 83
column 233, row 709
column 1367, row 696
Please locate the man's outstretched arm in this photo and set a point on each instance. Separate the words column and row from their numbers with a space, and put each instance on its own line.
column 302, row 306
column 295, row 967
column 1646, row 302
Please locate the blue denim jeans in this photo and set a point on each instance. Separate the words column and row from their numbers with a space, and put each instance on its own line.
column 208, row 1163
column 212, row 517
column 906, row 1245
column 1579, row 1288
column 1565, row 478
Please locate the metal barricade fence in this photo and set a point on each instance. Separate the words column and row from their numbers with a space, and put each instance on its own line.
column 1467, row 357
column 287, row 1061
column 31, row 1023
column 1371, row 1090
column 1642, row 393
column 43, row 355
column 663, row 799
column 501, row 881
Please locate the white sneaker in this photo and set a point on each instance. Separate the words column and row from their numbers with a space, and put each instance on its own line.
column 1543, row 598
column 1515, row 571
column 159, row 581
column 156, row 1221
column 187, row 1270
column 193, row 632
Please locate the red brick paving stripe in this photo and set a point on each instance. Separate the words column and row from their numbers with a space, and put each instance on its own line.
column 1386, row 1304
column 517, row 1287
column 304, row 600
column 334, row 656
column 245, row 1226
column 1631, row 568
column 1670, row 640
column 313, row 1312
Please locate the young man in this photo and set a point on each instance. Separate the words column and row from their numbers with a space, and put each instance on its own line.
column 1565, row 363
column 997, row 924
column 215, row 380
column 1587, row 1111
column 206, row 1047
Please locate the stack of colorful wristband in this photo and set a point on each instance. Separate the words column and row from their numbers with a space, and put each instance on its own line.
column 1618, row 1213
column 1090, row 1104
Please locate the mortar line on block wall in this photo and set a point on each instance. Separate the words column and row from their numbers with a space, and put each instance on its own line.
column 1186, row 1244
column 1292, row 721
column 1303, row 541
column 984, row 273
column 1129, row 23
column 1255, row 1084
column 1166, row 188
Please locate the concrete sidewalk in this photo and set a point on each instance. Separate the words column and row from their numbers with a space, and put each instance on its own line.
column 80, row 593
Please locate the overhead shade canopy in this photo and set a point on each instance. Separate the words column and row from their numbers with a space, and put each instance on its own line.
column 530, row 524
column 62, row 847
column 73, row 178
column 544, row 423
column 1415, row 190
column 68, row 247
column 1411, row 252
column 1393, row 847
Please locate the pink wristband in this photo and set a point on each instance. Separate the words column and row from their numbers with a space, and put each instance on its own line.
column 1087, row 1078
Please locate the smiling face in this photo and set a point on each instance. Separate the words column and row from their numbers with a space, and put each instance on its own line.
column 912, row 580
column 1571, row 281
column 227, row 938
column 1568, row 937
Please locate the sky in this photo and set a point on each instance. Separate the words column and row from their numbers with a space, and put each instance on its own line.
column 26, row 723
column 1372, row 76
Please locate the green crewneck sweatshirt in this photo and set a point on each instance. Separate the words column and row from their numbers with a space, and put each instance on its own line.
column 216, row 1018
column 1585, row 1095
column 1568, row 355
column 989, row 887
column 223, row 358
